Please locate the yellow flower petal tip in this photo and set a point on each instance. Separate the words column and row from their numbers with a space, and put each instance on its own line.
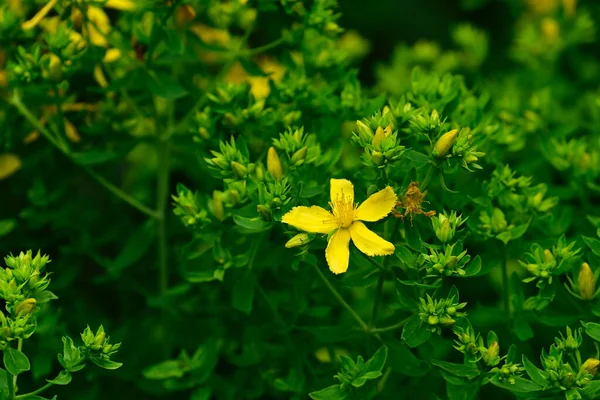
column 123, row 5
column 37, row 18
column 9, row 164
column 344, row 221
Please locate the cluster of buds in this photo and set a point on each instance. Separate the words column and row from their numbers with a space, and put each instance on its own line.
column 544, row 264
column 272, row 195
column 536, row 201
column 20, row 325
column 232, row 13
column 187, row 207
column 508, row 372
column 378, row 136
column 98, row 344
column 403, row 111
column 570, row 342
column 584, row 285
column 230, row 162
column 204, row 124
column 445, row 263
column 472, row 346
column 426, row 124
column 562, row 374
column 440, row 313
column 24, row 278
column 494, row 223
column 227, row 93
column 445, row 225
column 26, row 66
column 300, row 148
column 465, row 151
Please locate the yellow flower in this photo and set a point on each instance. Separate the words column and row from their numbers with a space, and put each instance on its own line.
column 344, row 221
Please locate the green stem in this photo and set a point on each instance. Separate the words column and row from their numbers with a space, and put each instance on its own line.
column 38, row 391
column 391, row 327
column 20, row 348
column 341, row 300
column 378, row 292
column 24, row 111
column 263, row 48
column 162, row 195
column 505, row 283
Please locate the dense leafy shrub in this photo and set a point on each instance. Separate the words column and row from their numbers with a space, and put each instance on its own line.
column 253, row 217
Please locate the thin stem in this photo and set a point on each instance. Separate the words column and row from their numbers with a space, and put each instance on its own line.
column 14, row 379
column 38, row 391
column 391, row 327
column 378, row 292
column 343, row 302
column 505, row 283
column 263, row 48
column 24, row 111
column 162, row 195
column 383, row 380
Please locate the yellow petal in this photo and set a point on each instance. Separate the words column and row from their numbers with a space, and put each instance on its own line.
column 368, row 241
column 112, row 55
column 37, row 18
column 99, row 27
column 9, row 164
column 99, row 76
column 71, row 131
column 377, row 206
column 123, row 5
column 310, row 219
column 341, row 190
column 337, row 253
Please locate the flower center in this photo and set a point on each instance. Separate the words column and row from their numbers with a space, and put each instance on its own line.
column 343, row 210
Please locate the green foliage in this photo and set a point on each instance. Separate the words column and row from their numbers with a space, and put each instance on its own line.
column 254, row 202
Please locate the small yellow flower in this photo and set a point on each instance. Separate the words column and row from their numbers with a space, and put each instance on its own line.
column 586, row 282
column 274, row 164
column 9, row 164
column 344, row 221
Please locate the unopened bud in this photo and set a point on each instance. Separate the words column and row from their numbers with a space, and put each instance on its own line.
column 238, row 169
column 548, row 257
column 264, row 211
column 259, row 171
column 444, row 232
column 433, row 320
column 447, row 321
column 217, row 204
column 54, row 69
column 492, row 352
column 274, row 164
column 444, row 144
column 380, row 135
column 590, row 366
column 299, row 156
column 569, row 6
column 550, row 29
column 586, row 282
column 377, row 157
column 99, row 340
column 364, row 131
column 299, row 240
column 25, row 307
column 184, row 15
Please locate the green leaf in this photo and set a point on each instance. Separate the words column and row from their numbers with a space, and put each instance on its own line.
column 572, row 394
column 63, row 378
column 7, row 225
column 253, row 225
column 45, row 296
column 93, row 157
column 592, row 329
column 504, row 237
column 405, row 255
column 413, row 237
column 467, row 391
column 522, row 328
column 331, row 393
column 202, row 393
column 165, row 370
column 243, row 294
column 15, row 361
column 402, row 360
column 165, row 86
column 105, row 363
column 521, row 385
column 537, row 375
column 376, row 363
column 4, row 391
column 415, row 332
column 519, row 230
column 136, row 246
column 463, row 370
column 593, row 244
column 473, row 267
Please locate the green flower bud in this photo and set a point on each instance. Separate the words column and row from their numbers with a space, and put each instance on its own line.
column 274, row 164
column 217, row 204
column 548, row 257
column 259, row 172
column 444, row 144
column 25, row 307
column 264, row 211
column 444, row 232
column 299, row 156
column 433, row 320
column 238, row 169
column 364, row 131
column 499, row 223
column 99, row 340
column 447, row 321
column 492, row 352
column 590, row 366
column 586, row 282
column 299, row 240
column 377, row 157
